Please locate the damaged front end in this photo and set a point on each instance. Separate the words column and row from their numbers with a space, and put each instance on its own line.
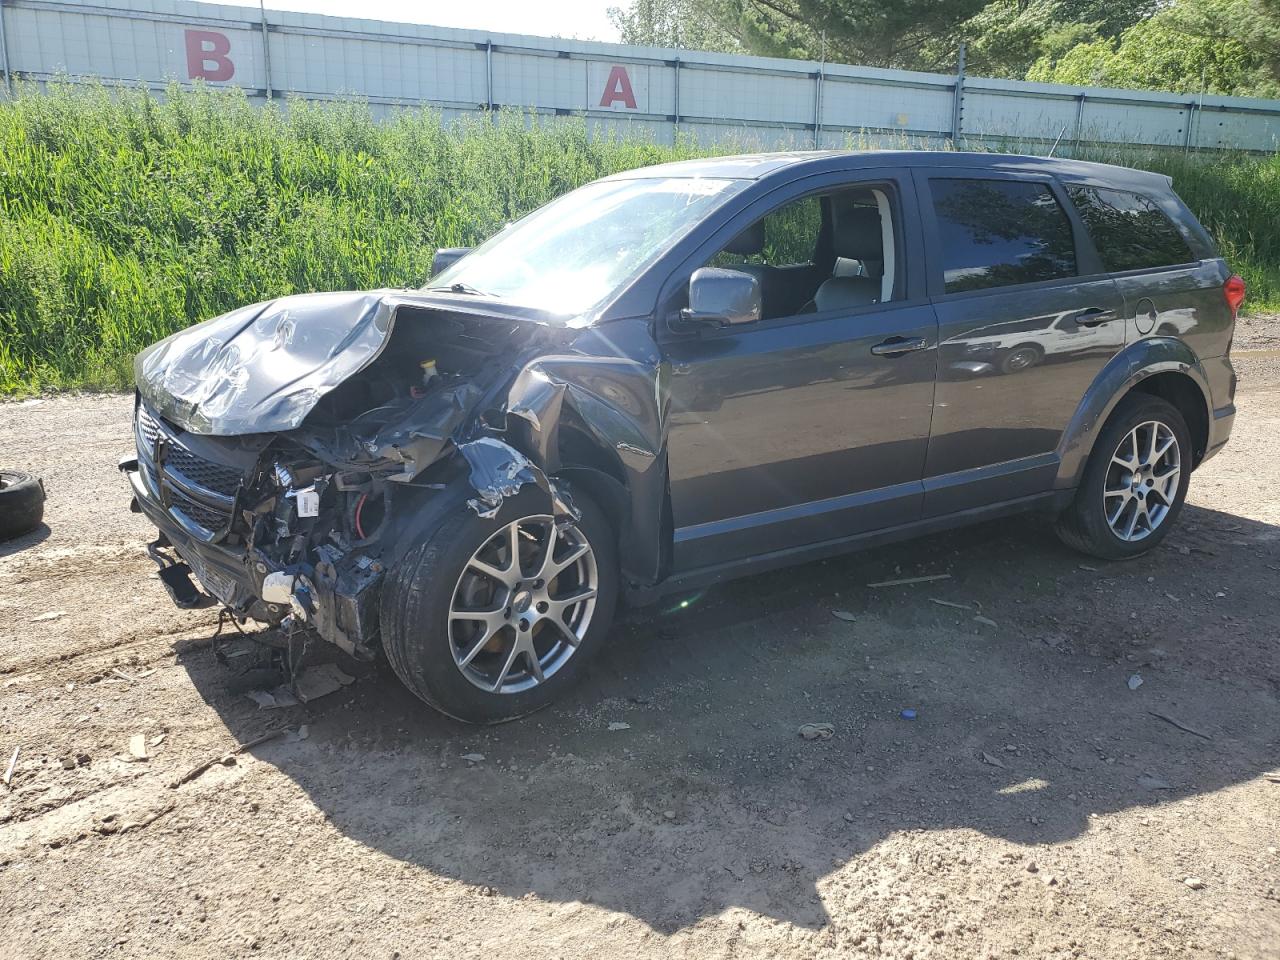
column 283, row 451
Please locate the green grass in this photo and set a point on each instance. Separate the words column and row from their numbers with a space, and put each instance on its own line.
column 124, row 218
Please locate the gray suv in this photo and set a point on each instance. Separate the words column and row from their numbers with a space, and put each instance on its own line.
column 681, row 374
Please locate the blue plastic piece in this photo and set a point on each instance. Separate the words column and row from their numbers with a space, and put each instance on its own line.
column 908, row 714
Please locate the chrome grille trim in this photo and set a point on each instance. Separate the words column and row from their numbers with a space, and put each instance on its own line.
column 203, row 509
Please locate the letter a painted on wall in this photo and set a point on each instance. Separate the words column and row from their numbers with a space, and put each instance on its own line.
column 617, row 89
column 207, row 55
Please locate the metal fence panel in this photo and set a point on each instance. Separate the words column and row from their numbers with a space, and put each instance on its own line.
column 758, row 102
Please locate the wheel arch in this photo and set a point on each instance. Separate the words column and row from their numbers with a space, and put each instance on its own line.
column 1159, row 366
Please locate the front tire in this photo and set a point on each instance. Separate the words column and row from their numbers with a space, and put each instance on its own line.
column 492, row 619
column 1134, row 484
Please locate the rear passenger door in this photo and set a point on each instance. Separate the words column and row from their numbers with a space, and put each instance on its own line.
column 1027, row 319
column 1168, row 291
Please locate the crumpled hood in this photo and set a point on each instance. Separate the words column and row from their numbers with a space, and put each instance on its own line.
column 263, row 368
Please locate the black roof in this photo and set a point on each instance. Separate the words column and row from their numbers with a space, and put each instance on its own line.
column 759, row 166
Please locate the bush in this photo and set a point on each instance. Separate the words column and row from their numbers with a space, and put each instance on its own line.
column 124, row 217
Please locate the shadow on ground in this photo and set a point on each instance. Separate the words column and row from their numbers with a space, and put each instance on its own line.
column 25, row 542
column 710, row 799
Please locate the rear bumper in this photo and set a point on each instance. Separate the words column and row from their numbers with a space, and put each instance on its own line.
column 1221, row 377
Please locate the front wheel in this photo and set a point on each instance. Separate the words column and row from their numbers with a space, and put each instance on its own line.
column 491, row 619
column 1135, row 481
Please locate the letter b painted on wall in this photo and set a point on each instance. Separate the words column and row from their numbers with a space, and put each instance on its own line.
column 207, row 55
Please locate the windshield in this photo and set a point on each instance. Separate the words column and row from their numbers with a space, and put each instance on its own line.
column 571, row 254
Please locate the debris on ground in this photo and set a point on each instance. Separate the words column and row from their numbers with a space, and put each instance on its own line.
column 311, row 684
column 994, row 761
column 275, row 699
column 619, row 725
column 473, row 758
column 320, row 681
column 905, row 581
column 950, row 603
column 908, row 713
column 817, row 731
column 226, row 758
column 1085, row 566
column 985, row 621
column 13, row 762
column 138, row 747
column 51, row 615
column 132, row 678
column 157, row 739
column 843, row 615
column 1135, row 681
column 1179, row 724
column 1195, row 883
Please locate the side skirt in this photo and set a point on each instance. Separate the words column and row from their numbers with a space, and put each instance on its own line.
column 1053, row 501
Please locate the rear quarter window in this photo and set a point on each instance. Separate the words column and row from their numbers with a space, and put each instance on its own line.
column 996, row 233
column 1130, row 231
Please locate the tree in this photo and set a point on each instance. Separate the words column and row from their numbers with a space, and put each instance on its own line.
column 1192, row 46
column 1218, row 46
column 910, row 33
column 1006, row 37
column 689, row 24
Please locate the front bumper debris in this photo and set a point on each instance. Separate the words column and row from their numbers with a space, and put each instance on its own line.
column 337, row 597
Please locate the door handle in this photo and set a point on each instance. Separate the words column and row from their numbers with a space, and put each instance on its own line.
column 897, row 346
column 1094, row 317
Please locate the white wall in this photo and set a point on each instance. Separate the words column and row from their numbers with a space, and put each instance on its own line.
column 755, row 100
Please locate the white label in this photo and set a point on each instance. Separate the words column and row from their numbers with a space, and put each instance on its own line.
column 308, row 502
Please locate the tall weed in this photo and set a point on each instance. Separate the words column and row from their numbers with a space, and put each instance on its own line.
column 125, row 216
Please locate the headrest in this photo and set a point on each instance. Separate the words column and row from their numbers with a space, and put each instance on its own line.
column 857, row 234
column 749, row 241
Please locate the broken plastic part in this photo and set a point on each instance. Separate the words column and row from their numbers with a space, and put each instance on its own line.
column 277, row 587
column 498, row 471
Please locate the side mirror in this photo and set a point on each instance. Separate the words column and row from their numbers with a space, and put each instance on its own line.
column 723, row 297
column 446, row 257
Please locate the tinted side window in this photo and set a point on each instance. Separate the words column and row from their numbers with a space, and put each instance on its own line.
column 1130, row 231
column 995, row 233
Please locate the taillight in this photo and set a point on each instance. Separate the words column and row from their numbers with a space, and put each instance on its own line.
column 1234, row 290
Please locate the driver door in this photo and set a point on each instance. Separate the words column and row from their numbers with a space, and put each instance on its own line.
column 806, row 426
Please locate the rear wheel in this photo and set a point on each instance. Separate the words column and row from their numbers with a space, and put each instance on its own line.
column 1134, row 484
column 491, row 619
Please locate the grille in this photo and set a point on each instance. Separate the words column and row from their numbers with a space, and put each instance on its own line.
column 195, row 471
column 211, row 518
column 148, row 429
column 201, row 472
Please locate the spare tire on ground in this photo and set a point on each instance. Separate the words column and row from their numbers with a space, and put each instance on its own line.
column 21, row 503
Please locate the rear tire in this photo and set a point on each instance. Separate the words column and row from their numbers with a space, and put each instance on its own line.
column 1129, row 498
column 21, row 503
column 451, row 661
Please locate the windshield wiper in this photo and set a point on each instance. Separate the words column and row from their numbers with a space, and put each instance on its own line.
column 463, row 288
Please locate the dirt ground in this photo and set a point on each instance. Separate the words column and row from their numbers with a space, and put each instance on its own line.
column 1036, row 807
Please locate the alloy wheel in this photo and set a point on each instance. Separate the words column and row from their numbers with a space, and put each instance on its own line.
column 523, row 604
column 1141, row 482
